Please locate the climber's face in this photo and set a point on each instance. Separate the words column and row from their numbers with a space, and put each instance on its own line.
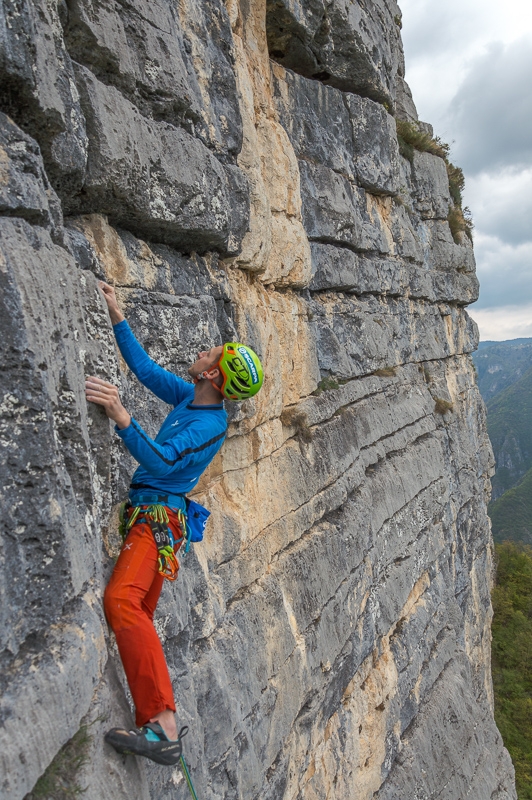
column 205, row 361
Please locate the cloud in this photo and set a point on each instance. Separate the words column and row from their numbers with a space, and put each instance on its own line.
column 492, row 116
column 491, row 113
column 502, row 204
column 504, row 272
column 431, row 28
column 470, row 67
column 442, row 41
column 501, row 324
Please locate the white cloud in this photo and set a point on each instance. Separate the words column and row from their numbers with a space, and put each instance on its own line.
column 441, row 41
column 469, row 66
column 502, row 204
column 504, row 271
column 431, row 26
column 501, row 324
column 491, row 113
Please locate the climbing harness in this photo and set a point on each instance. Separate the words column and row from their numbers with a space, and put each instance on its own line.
column 151, row 508
column 156, row 515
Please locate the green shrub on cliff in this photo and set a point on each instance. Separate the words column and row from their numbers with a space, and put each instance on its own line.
column 456, row 183
column 512, row 657
column 460, row 221
column 410, row 137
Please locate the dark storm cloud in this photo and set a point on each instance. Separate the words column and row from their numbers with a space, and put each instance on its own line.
column 492, row 110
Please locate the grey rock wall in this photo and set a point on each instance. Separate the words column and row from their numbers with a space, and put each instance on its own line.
column 353, row 46
column 331, row 636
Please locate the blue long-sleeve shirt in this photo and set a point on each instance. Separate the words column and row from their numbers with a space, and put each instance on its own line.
column 189, row 437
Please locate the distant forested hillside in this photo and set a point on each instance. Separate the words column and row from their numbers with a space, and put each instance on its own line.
column 511, row 514
column 510, row 431
column 512, row 658
column 499, row 364
column 505, row 380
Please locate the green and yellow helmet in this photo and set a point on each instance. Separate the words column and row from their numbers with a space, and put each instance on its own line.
column 241, row 371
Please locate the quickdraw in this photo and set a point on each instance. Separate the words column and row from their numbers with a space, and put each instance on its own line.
column 157, row 518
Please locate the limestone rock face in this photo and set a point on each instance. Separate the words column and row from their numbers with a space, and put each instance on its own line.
column 331, row 635
column 157, row 179
column 355, row 46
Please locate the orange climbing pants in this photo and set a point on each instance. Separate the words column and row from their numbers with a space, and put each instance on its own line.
column 130, row 601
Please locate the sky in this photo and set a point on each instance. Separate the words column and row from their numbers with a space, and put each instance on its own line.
column 469, row 65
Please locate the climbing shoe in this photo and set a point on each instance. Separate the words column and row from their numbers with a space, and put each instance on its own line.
column 149, row 741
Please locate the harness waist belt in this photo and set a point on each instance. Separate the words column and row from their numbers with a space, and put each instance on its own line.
column 170, row 500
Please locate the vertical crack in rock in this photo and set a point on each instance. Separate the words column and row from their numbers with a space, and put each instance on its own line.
column 233, row 169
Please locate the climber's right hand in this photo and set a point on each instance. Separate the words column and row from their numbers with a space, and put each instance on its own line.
column 112, row 303
column 106, row 395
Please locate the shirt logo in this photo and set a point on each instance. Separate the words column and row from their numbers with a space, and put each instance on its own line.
column 174, row 423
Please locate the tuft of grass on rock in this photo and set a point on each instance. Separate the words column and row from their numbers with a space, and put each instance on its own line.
column 60, row 779
column 460, row 222
column 291, row 417
column 442, row 406
column 456, row 183
column 427, row 377
column 385, row 372
column 412, row 138
column 325, row 385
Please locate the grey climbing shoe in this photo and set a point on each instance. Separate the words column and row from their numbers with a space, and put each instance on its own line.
column 149, row 741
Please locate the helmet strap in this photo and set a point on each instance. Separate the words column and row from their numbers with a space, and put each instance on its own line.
column 203, row 377
column 213, row 384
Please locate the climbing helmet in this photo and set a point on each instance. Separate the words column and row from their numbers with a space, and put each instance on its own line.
column 241, row 371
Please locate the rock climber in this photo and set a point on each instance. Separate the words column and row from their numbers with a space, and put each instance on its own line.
column 157, row 518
